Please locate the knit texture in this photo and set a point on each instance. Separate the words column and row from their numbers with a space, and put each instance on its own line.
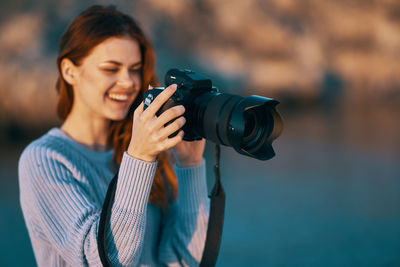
column 62, row 189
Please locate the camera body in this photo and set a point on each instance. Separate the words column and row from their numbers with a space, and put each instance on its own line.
column 249, row 124
column 190, row 86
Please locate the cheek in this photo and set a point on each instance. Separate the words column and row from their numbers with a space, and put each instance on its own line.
column 137, row 81
column 137, row 85
column 96, row 83
column 92, row 91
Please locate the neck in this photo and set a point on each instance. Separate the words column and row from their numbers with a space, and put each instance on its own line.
column 91, row 132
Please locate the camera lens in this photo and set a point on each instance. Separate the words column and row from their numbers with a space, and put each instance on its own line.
column 251, row 126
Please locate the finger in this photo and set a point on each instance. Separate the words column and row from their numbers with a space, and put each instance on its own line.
column 160, row 100
column 172, row 127
column 173, row 141
column 169, row 115
column 138, row 110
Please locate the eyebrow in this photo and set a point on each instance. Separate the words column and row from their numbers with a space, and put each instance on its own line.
column 119, row 63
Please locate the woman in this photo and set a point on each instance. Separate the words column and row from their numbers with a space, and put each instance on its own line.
column 105, row 64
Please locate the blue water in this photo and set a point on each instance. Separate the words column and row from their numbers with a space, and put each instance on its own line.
column 317, row 203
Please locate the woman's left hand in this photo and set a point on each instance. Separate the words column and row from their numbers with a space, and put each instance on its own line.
column 188, row 154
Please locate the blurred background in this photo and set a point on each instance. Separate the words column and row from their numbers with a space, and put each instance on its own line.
column 331, row 195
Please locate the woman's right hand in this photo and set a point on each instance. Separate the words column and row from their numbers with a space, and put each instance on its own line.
column 149, row 135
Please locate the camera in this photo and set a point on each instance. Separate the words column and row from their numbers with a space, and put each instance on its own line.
column 248, row 124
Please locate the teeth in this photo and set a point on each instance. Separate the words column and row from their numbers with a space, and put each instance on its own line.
column 119, row 97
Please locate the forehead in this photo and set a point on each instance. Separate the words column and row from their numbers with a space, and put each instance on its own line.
column 121, row 49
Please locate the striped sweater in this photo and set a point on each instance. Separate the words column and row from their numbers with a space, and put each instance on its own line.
column 62, row 189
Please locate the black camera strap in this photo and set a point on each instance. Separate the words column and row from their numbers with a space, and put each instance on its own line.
column 104, row 220
column 216, row 219
column 215, row 222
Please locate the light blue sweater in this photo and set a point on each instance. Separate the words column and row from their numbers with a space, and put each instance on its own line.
column 62, row 189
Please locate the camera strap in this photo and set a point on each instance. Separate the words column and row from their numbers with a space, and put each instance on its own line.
column 215, row 222
column 104, row 220
column 216, row 217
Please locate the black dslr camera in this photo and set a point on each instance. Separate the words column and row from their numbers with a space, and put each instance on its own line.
column 249, row 125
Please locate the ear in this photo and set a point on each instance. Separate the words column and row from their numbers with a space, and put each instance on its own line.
column 68, row 71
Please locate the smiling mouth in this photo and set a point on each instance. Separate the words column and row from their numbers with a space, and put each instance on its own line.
column 118, row 97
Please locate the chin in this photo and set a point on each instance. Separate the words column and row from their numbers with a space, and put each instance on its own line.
column 116, row 113
column 117, row 116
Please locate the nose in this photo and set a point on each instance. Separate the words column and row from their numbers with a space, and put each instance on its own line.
column 126, row 79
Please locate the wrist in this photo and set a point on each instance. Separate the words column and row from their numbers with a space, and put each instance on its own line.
column 188, row 163
column 135, row 154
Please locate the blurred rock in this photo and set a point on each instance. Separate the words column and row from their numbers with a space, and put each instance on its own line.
column 272, row 47
column 21, row 37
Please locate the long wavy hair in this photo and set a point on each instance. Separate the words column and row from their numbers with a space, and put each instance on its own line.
column 87, row 30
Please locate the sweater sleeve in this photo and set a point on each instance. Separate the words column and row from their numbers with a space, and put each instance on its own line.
column 53, row 198
column 185, row 224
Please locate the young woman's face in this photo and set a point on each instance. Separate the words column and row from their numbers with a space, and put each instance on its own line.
column 108, row 79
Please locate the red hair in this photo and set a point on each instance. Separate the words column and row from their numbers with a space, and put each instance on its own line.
column 87, row 30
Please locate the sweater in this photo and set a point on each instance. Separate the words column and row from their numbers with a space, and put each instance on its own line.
column 62, row 188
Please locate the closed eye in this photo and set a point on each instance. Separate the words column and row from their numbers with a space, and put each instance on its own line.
column 112, row 70
column 135, row 70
